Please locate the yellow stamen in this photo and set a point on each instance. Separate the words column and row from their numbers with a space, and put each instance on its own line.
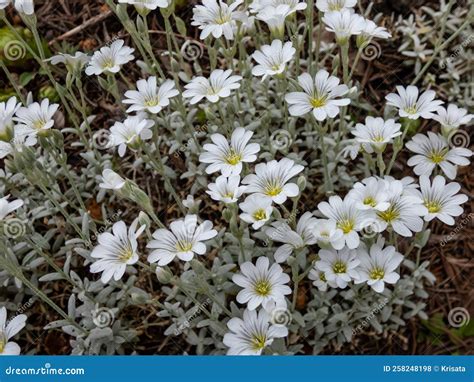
column 377, row 274
column 346, row 226
column 263, row 288
column 339, row 267
column 260, row 214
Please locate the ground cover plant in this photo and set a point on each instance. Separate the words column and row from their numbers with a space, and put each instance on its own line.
column 235, row 177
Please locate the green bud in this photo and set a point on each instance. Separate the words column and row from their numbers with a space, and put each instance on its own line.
column 163, row 275
column 49, row 92
column 410, row 125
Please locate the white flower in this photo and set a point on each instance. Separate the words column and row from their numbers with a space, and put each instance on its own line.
column 274, row 17
column 432, row 151
column 35, row 118
column 271, row 180
column 111, row 180
column 252, row 334
column 7, row 111
column 263, row 285
column 372, row 30
column 109, row 59
column 228, row 158
column 272, row 59
column 71, row 62
column 217, row 18
column 149, row 96
column 348, row 218
column 319, row 280
column 7, row 207
column 257, row 210
column 219, row 85
column 376, row 133
column 441, row 200
column 377, row 266
column 339, row 267
column 184, row 239
column 116, row 250
column 404, row 212
column 4, row 3
column 410, row 105
column 225, row 189
column 452, row 118
column 319, row 96
column 9, row 329
column 24, row 6
column 282, row 232
column 131, row 132
column 344, row 24
column 334, row 5
column 19, row 141
column 370, row 194
column 147, row 4
column 327, row 234
column 293, row 5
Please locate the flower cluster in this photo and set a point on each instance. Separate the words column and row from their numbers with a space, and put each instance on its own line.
column 321, row 217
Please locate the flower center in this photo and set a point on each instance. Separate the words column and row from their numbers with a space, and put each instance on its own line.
column 273, row 190
column 38, row 125
column 222, row 18
column 2, row 342
column 233, row 157
column 229, row 195
column 322, row 277
column 318, row 102
column 335, row 5
column 339, row 267
column 152, row 102
column 346, row 226
column 324, row 234
column 377, row 274
column 263, row 288
column 184, row 246
column 436, row 157
column 377, row 138
column 258, row 341
column 370, row 201
column 108, row 63
column 432, row 206
column 260, row 214
column 411, row 109
column 126, row 255
column 389, row 215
